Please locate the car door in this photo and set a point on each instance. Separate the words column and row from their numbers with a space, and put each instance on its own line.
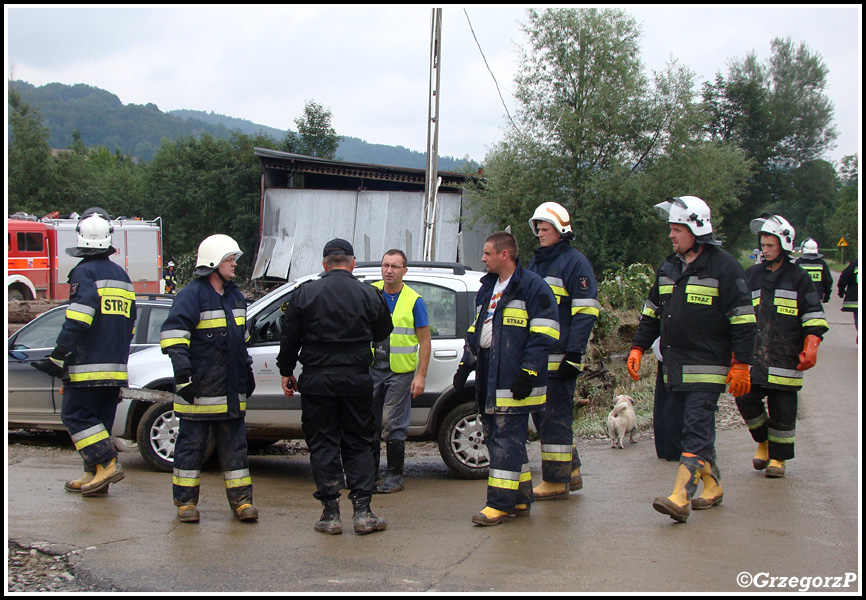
column 34, row 397
column 268, row 409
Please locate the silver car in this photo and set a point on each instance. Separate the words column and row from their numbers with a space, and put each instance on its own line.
column 441, row 413
column 34, row 397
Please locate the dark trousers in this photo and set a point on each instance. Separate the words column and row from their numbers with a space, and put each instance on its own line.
column 695, row 415
column 189, row 456
column 779, row 426
column 509, row 481
column 88, row 415
column 339, row 431
column 667, row 428
column 559, row 455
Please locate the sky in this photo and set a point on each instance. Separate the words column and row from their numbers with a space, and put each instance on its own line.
column 369, row 64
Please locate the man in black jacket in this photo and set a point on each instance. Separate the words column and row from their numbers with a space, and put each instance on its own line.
column 700, row 307
column 791, row 325
column 329, row 325
column 813, row 263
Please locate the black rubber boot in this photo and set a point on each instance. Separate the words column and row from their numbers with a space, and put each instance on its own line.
column 364, row 520
column 329, row 522
column 394, row 475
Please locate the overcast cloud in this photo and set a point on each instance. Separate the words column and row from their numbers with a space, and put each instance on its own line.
column 369, row 64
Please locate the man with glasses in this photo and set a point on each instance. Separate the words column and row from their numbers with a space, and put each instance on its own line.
column 399, row 367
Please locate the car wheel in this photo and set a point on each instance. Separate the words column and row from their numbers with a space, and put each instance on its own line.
column 461, row 442
column 157, row 436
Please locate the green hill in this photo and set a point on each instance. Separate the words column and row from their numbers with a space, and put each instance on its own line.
column 137, row 130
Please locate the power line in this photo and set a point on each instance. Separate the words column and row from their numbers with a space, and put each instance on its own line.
column 498, row 90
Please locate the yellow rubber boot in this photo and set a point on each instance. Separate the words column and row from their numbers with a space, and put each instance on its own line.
column 551, row 491
column 576, row 480
column 712, row 494
column 678, row 505
column 762, row 456
column 520, row 511
column 111, row 473
column 246, row 512
column 187, row 513
column 75, row 484
column 775, row 469
column 489, row 516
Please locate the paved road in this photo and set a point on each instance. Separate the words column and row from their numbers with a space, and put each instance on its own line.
column 606, row 538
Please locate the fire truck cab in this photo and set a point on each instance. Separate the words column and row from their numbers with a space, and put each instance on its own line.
column 38, row 266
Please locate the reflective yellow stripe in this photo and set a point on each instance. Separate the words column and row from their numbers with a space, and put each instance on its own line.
column 740, row 319
column 168, row 342
column 549, row 331
column 233, row 483
column 816, row 323
column 586, row 310
column 185, row 481
column 785, row 302
column 95, row 375
column 666, row 289
column 90, row 440
column 505, row 400
column 702, row 290
column 792, row 381
column 211, row 324
column 79, row 316
column 703, row 378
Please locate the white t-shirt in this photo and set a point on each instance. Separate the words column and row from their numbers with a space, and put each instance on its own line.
column 487, row 328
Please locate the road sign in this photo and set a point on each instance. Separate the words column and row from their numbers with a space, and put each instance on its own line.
column 842, row 242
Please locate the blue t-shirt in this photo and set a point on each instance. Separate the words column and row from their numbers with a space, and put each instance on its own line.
column 419, row 311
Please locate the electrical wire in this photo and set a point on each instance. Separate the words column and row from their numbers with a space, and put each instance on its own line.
column 498, row 90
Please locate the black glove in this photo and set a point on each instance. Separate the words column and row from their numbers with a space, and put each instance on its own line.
column 54, row 364
column 183, row 387
column 251, row 381
column 461, row 375
column 571, row 365
column 522, row 386
column 826, row 297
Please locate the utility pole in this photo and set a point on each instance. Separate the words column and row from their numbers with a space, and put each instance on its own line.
column 432, row 179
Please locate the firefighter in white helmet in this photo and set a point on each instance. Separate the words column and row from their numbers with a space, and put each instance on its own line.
column 205, row 336
column 813, row 263
column 570, row 276
column 701, row 309
column 791, row 325
column 92, row 351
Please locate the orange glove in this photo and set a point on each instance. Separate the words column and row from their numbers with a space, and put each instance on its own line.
column 633, row 362
column 739, row 379
column 809, row 355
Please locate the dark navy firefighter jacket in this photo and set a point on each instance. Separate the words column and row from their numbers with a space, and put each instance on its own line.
column 205, row 337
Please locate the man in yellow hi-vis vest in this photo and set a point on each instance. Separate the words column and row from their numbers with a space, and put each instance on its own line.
column 399, row 367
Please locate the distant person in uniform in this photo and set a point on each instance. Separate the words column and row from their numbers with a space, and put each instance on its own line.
column 170, row 278
column 813, row 263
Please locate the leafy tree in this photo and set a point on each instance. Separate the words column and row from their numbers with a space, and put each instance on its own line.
column 316, row 136
column 29, row 157
column 600, row 138
column 778, row 114
column 844, row 220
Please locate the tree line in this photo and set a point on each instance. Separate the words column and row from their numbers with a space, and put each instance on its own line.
column 596, row 134
column 592, row 132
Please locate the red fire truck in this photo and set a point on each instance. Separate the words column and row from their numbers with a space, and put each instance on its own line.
column 38, row 266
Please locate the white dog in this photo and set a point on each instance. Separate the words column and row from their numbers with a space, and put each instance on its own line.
column 621, row 421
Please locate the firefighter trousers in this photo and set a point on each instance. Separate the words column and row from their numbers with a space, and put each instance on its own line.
column 778, row 426
column 509, row 481
column 559, row 455
column 694, row 414
column 88, row 415
column 339, row 432
column 667, row 429
column 189, row 456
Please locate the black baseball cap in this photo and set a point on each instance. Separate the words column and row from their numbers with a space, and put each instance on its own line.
column 338, row 246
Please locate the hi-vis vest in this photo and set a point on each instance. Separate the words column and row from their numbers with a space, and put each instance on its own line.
column 403, row 357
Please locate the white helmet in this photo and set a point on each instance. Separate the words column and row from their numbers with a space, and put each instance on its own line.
column 810, row 249
column 212, row 251
column 692, row 212
column 554, row 214
column 775, row 225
